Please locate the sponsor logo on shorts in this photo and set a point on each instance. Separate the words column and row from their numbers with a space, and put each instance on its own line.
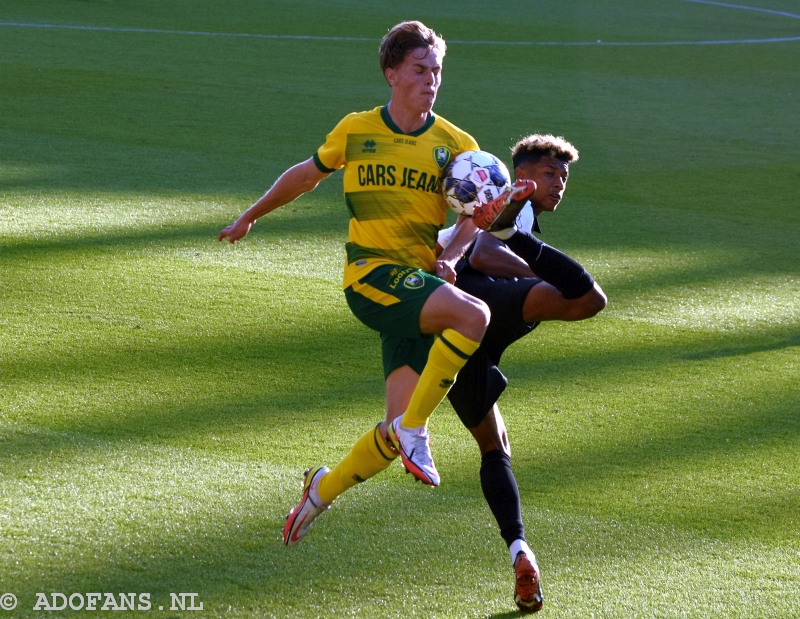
column 361, row 263
column 414, row 281
column 441, row 155
column 446, row 383
column 396, row 276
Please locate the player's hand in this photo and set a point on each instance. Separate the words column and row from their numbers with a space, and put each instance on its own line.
column 446, row 271
column 235, row 231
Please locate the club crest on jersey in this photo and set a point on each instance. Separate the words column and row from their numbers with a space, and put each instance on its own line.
column 441, row 155
column 414, row 281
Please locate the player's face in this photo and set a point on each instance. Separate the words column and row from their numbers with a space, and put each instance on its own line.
column 550, row 176
column 416, row 80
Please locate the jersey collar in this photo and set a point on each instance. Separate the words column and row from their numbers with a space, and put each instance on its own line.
column 536, row 227
column 390, row 123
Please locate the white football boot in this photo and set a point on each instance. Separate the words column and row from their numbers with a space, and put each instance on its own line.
column 415, row 451
column 300, row 519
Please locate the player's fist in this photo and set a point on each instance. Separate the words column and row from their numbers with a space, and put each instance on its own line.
column 445, row 271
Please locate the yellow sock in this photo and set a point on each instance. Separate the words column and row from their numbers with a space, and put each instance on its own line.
column 449, row 353
column 368, row 456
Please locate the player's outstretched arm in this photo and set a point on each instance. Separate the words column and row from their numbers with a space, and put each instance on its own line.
column 292, row 184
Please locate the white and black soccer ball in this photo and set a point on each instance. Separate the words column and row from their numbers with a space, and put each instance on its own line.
column 474, row 177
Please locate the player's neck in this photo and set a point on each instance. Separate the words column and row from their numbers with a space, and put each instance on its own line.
column 407, row 120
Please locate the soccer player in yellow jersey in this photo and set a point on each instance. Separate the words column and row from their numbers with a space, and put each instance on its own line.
column 393, row 157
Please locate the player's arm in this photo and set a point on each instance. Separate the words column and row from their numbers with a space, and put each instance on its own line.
column 463, row 236
column 492, row 257
column 292, row 184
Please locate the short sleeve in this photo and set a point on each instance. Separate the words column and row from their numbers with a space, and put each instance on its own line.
column 331, row 155
column 470, row 143
column 444, row 236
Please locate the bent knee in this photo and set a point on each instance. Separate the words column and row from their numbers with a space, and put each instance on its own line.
column 596, row 301
column 480, row 315
column 473, row 318
column 587, row 306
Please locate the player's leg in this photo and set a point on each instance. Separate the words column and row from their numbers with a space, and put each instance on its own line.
column 479, row 383
column 474, row 398
column 374, row 451
column 551, row 265
column 384, row 305
column 497, row 479
column 459, row 322
column 502, row 495
column 361, row 464
column 399, row 302
column 545, row 302
column 370, row 455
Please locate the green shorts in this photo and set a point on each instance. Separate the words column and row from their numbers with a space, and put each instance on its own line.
column 389, row 299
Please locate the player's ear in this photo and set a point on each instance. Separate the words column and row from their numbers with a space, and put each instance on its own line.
column 519, row 174
column 391, row 76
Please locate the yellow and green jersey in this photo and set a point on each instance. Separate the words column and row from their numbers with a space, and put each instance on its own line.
column 391, row 187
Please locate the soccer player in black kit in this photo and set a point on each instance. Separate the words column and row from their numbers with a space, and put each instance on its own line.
column 524, row 282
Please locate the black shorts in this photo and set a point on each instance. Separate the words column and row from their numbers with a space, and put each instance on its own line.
column 480, row 382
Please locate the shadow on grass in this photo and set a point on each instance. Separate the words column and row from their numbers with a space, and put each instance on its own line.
column 360, row 553
column 742, row 350
column 690, row 475
column 288, row 222
column 243, row 564
column 331, row 222
column 296, row 408
column 333, row 356
column 315, row 377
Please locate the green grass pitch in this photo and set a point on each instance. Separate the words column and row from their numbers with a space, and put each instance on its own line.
column 161, row 393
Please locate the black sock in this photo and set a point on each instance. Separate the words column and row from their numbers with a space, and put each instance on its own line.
column 553, row 266
column 502, row 494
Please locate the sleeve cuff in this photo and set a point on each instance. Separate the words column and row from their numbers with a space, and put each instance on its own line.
column 321, row 166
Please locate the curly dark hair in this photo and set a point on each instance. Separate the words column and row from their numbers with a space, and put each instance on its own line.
column 532, row 148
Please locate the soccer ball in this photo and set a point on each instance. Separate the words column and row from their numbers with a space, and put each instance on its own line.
column 474, row 177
